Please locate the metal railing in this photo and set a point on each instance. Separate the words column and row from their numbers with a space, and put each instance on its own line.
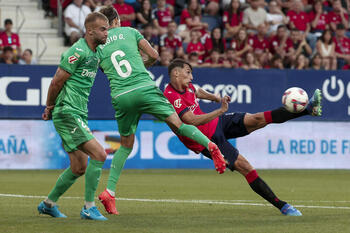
column 60, row 18
column 19, row 10
column 39, row 55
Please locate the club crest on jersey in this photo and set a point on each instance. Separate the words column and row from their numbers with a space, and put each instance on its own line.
column 72, row 59
column 177, row 103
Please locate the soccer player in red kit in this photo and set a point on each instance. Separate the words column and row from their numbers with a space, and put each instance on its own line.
column 220, row 127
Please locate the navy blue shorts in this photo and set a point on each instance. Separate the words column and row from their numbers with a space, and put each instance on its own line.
column 230, row 125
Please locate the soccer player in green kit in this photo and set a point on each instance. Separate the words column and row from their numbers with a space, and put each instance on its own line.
column 134, row 93
column 66, row 103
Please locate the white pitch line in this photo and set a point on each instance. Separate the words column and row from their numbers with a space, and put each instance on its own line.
column 228, row 202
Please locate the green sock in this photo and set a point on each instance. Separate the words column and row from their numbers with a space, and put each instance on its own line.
column 117, row 165
column 92, row 177
column 64, row 181
column 193, row 133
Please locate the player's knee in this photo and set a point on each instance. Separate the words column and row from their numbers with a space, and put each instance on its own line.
column 101, row 156
column 128, row 141
column 79, row 170
column 243, row 166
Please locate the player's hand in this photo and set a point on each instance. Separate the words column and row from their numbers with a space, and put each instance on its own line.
column 224, row 103
column 47, row 115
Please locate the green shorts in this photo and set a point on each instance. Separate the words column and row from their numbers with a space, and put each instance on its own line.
column 73, row 130
column 130, row 106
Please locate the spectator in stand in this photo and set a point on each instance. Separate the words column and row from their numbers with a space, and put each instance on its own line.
column 316, row 62
column 214, row 41
column 11, row 39
column 282, row 45
column 104, row 3
column 27, row 58
column 325, row 47
column 253, row 16
column 231, row 61
column 299, row 44
column 276, row 62
column 74, row 16
column 318, row 19
column 8, row 57
column 346, row 66
column 214, row 60
column 172, row 42
column 193, row 59
column 166, row 57
column 190, row 19
column 338, row 16
column 298, row 19
column 275, row 17
column 161, row 16
column 250, row 62
column 212, row 8
column 301, row 63
column 144, row 15
column 342, row 46
column 195, row 45
column 260, row 45
column 126, row 13
column 240, row 44
column 233, row 18
column 150, row 37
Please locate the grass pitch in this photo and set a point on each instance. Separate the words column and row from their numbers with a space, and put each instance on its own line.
column 183, row 201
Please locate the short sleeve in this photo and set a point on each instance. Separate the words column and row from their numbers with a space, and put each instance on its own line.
column 71, row 59
column 138, row 35
column 68, row 13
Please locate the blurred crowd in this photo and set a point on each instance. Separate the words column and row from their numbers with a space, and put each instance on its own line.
column 248, row 34
column 10, row 47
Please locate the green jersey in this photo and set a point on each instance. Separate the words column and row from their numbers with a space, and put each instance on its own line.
column 82, row 63
column 121, row 61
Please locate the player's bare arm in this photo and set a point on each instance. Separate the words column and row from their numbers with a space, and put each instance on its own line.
column 192, row 119
column 55, row 87
column 152, row 54
column 202, row 94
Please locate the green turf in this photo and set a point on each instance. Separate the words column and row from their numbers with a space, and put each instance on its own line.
column 300, row 187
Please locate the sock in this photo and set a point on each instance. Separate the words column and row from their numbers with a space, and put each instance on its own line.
column 92, row 177
column 193, row 133
column 261, row 188
column 117, row 165
column 281, row 115
column 89, row 204
column 64, row 181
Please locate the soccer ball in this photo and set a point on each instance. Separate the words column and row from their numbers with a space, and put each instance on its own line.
column 295, row 99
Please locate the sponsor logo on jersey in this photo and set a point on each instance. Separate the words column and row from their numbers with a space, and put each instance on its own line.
column 87, row 73
column 72, row 59
column 177, row 103
column 77, row 55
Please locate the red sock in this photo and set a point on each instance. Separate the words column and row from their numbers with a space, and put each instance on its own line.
column 268, row 117
column 251, row 176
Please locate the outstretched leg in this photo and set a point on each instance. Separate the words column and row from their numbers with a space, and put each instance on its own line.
column 259, row 120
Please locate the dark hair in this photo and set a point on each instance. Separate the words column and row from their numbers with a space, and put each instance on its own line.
column 230, row 12
column 92, row 17
column 323, row 34
column 178, row 62
column 146, row 15
column 282, row 26
column 218, row 44
column 110, row 12
column 7, row 48
column 29, row 51
column 8, row 21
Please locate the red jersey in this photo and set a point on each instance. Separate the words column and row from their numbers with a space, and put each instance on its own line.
column 342, row 46
column 198, row 47
column 184, row 15
column 173, row 43
column 275, row 42
column 259, row 45
column 236, row 19
column 346, row 67
column 162, row 16
column 322, row 21
column 170, row 2
column 300, row 19
column 124, row 9
column 208, row 44
column 12, row 41
column 187, row 101
column 336, row 18
column 238, row 47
